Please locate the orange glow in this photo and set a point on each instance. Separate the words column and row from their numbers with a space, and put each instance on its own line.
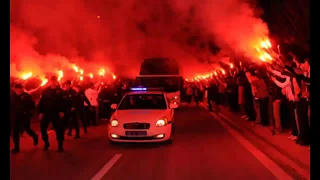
column 26, row 76
column 102, row 72
column 75, row 68
column 81, row 78
column 186, row 79
column 262, row 58
column 114, row 77
column 81, row 71
column 264, row 53
column 60, row 75
column 265, row 44
column 267, row 56
column 91, row 75
column 44, row 81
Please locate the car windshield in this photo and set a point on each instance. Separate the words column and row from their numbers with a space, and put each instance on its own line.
column 143, row 101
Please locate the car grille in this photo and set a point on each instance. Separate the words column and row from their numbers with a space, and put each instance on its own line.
column 136, row 126
column 138, row 138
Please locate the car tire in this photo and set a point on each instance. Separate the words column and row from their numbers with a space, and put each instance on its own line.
column 173, row 128
column 169, row 141
column 112, row 142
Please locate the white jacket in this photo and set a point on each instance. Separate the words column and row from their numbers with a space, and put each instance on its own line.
column 286, row 86
column 92, row 96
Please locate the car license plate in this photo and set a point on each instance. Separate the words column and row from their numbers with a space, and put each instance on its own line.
column 136, row 133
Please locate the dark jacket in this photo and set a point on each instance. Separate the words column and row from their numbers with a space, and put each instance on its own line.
column 22, row 104
column 78, row 100
column 68, row 97
column 52, row 101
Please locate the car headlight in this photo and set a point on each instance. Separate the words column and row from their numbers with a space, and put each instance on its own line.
column 114, row 123
column 162, row 122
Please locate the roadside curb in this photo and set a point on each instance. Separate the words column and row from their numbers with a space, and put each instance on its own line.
column 277, row 154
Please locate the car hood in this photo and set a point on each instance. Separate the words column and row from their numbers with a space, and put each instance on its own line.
column 145, row 116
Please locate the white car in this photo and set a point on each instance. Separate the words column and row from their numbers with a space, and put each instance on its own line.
column 142, row 116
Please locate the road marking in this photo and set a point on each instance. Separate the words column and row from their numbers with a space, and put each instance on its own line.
column 267, row 162
column 103, row 171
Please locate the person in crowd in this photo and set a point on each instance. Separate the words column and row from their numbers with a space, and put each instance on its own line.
column 288, row 90
column 301, row 83
column 306, row 72
column 211, row 94
column 222, row 91
column 189, row 93
column 276, row 99
column 232, row 93
column 201, row 91
column 196, row 94
column 248, row 103
column 216, row 99
column 261, row 97
column 51, row 109
column 69, row 114
column 241, row 96
column 251, row 77
column 78, row 101
column 22, row 106
column 124, row 87
column 92, row 94
column 107, row 96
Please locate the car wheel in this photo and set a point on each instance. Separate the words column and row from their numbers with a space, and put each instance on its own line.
column 112, row 142
column 169, row 141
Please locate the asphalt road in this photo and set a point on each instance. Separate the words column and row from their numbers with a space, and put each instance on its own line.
column 202, row 149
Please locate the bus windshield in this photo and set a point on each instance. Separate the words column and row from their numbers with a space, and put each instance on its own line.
column 170, row 84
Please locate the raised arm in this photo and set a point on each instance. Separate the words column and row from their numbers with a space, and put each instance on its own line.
column 280, row 84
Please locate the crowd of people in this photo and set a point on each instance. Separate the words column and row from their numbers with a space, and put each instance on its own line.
column 276, row 96
column 269, row 95
column 64, row 106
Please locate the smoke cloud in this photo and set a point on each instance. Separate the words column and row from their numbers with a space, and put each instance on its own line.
column 119, row 34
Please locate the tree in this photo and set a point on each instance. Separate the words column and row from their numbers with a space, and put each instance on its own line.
column 291, row 22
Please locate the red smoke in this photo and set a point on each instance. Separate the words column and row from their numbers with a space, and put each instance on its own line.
column 48, row 35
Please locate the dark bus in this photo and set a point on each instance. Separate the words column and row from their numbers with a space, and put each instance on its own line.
column 164, row 73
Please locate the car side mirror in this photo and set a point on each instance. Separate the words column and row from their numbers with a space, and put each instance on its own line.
column 114, row 106
column 173, row 106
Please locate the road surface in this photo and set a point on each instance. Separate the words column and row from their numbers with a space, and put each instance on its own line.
column 202, row 149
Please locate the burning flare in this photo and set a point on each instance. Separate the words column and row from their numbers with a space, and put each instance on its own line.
column 44, row 81
column 26, row 76
column 91, row 75
column 75, row 68
column 60, row 75
column 101, row 72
